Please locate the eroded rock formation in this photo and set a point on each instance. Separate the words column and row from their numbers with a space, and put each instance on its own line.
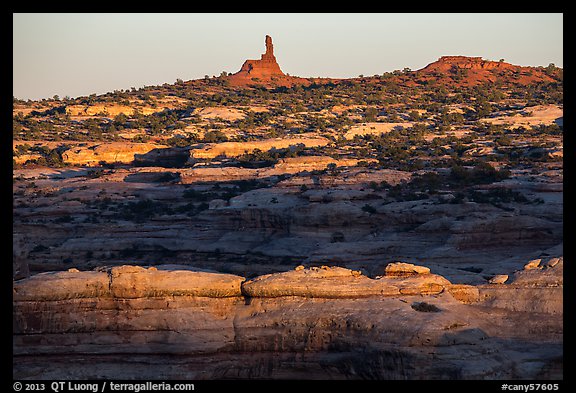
column 466, row 62
column 309, row 323
column 110, row 110
column 264, row 71
column 109, row 152
column 467, row 70
column 234, row 149
column 265, row 67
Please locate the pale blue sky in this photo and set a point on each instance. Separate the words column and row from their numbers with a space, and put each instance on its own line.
column 80, row 54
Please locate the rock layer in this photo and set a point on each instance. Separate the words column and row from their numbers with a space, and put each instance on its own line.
column 336, row 282
column 111, row 152
column 174, row 323
column 465, row 62
column 127, row 282
column 234, row 149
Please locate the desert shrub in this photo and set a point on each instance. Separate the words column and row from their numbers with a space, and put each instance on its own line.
column 332, row 169
column 248, row 185
column 196, row 195
column 497, row 195
column 179, row 141
column 370, row 114
column 504, row 140
column 257, row 159
column 369, row 209
column 94, row 173
column 64, row 219
column 424, row 307
column 482, row 173
column 406, row 192
column 142, row 210
column 429, row 181
column 214, row 136
column 337, row 237
column 40, row 248
column 22, row 149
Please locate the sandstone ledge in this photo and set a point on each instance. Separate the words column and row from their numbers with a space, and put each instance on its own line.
column 127, row 282
column 337, row 282
column 143, row 330
column 54, row 286
column 235, row 149
column 132, row 282
column 109, row 152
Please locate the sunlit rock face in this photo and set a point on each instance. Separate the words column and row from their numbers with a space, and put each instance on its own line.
column 264, row 71
column 312, row 323
column 266, row 66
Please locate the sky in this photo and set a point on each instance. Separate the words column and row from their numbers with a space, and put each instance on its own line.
column 70, row 54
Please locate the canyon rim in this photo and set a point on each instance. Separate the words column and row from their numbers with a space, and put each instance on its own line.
column 258, row 225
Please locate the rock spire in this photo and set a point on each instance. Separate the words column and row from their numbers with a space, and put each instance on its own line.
column 265, row 67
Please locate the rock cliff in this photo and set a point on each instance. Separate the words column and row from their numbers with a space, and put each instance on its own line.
column 175, row 322
column 234, row 149
column 109, row 152
column 109, row 110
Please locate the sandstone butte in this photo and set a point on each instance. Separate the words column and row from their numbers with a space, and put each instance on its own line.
column 445, row 63
column 474, row 70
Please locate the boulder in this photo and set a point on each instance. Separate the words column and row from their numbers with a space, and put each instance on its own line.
column 498, row 279
column 217, row 204
column 533, row 264
column 401, row 269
